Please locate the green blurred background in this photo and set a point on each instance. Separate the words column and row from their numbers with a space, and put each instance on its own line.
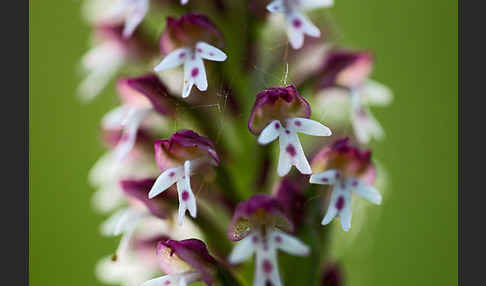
column 415, row 240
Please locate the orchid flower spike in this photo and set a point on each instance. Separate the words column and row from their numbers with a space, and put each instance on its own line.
column 141, row 97
column 297, row 23
column 350, row 71
column 185, row 41
column 184, row 262
column 182, row 155
column 111, row 52
column 350, row 171
column 256, row 225
column 280, row 112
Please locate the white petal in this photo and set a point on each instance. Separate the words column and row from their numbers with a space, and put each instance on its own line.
column 365, row 191
column 187, row 88
column 325, row 178
column 206, row 51
column 162, row 280
column 243, row 249
column 115, row 117
column 289, row 243
column 276, row 6
column 270, row 132
column 195, row 72
column 291, row 153
column 165, row 180
column 332, row 211
column 312, row 4
column 136, row 13
column 375, row 93
column 345, row 213
column 101, row 64
column 187, row 200
column 365, row 125
column 297, row 26
column 308, row 126
column 266, row 268
column 132, row 123
column 173, row 59
column 121, row 221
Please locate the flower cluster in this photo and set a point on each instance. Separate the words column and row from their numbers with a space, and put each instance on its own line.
column 207, row 151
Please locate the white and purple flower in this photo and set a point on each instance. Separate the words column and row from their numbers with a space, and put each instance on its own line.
column 297, row 23
column 179, row 157
column 185, row 42
column 280, row 112
column 257, row 225
column 350, row 171
column 345, row 74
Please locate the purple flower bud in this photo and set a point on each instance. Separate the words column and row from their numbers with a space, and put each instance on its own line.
column 160, row 206
column 259, row 211
column 177, row 257
column 332, row 276
column 277, row 103
column 346, row 68
column 187, row 30
column 135, row 47
column 348, row 160
column 146, row 91
column 181, row 146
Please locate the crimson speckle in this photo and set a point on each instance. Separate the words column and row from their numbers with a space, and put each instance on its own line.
column 355, row 183
column 324, row 180
column 167, row 282
column 194, row 72
column 287, row 131
column 211, row 54
column 340, row 203
column 291, row 150
column 255, row 239
column 297, row 123
column 277, row 125
column 185, row 195
column 278, row 239
column 182, row 55
column 267, row 266
column 297, row 23
column 199, row 50
column 171, row 174
column 337, row 175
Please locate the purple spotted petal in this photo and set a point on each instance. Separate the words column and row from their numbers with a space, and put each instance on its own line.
column 350, row 161
column 187, row 30
column 146, row 90
column 181, row 146
column 289, row 195
column 259, row 210
column 180, row 256
column 160, row 206
column 277, row 103
column 345, row 68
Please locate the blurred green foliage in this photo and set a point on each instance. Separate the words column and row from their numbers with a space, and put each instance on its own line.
column 415, row 239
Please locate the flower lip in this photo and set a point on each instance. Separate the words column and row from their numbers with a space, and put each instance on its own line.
column 187, row 30
column 345, row 68
column 137, row 90
column 193, row 252
column 138, row 189
column 181, row 146
column 277, row 103
column 260, row 209
column 348, row 160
